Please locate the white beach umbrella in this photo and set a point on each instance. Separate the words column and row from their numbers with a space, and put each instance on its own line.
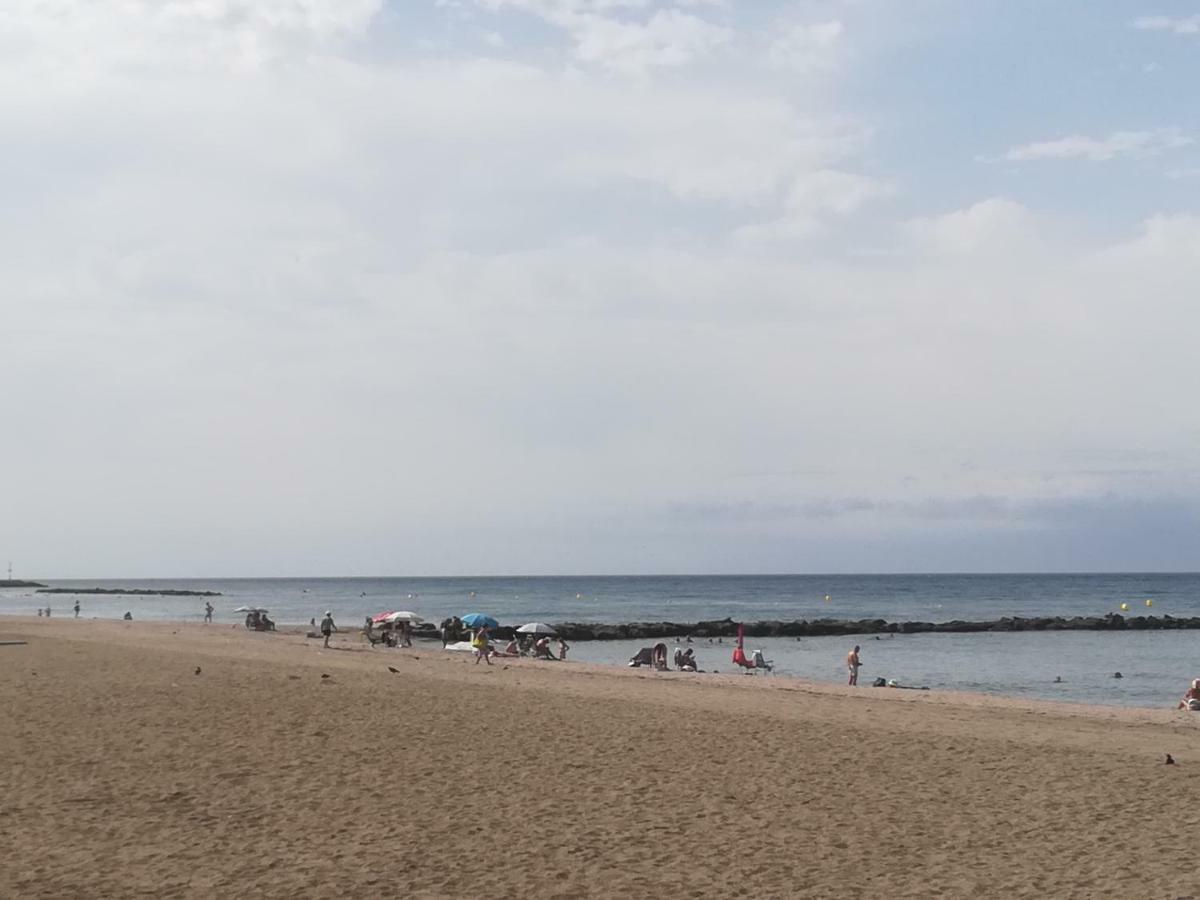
column 257, row 609
column 403, row 615
column 536, row 628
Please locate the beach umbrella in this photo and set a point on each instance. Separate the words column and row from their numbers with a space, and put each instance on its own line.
column 381, row 618
column 479, row 620
column 402, row 615
column 257, row 609
column 536, row 628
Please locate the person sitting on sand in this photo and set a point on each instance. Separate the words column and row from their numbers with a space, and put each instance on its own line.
column 266, row 624
column 327, row 626
column 688, row 662
column 512, row 648
column 1191, row 700
column 541, row 650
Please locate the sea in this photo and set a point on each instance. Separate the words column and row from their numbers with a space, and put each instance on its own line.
column 1156, row 667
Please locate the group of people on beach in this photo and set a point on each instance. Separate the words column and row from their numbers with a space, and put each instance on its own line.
column 537, row 646
column 46, row 611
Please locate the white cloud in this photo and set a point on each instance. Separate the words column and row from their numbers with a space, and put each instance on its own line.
column 89, row 36
column 993, row 223
column 813, row 201
column 669, row 37
column 804, row 47
column 1113, row 146
column 1185, row 25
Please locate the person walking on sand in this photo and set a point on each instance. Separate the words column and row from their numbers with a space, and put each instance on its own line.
column 208, row 611
column 563, row 647
column 852, row 664
column 327, row 626
column 77, row 609
column 480, row 644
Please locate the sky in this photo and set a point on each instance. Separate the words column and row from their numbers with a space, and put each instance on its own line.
column 422, row 287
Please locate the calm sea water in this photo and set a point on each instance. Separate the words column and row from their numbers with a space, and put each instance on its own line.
column 1156, row 665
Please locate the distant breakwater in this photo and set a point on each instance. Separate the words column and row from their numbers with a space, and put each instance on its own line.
column 586, row 631
column 140, row 592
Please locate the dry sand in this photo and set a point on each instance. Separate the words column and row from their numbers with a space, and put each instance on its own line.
column 125, row 773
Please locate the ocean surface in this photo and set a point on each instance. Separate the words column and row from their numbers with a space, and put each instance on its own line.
column 1156, row 666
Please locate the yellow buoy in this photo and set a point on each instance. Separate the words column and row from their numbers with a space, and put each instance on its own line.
column 1124, row 607
column 579, row 596
column 826, row 598
column 1149, row 602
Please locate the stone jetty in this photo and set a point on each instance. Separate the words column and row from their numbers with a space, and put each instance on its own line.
column 587, row 631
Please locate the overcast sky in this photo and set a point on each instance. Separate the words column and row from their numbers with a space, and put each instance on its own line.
column 598, row 286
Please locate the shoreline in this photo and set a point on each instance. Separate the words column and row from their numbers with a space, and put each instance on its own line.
column 352, row 640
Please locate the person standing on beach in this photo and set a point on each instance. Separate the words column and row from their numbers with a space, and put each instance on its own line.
column 852, row 664
column 480, row 645
column 77, row 609
column 327, row 626
column 208, row 611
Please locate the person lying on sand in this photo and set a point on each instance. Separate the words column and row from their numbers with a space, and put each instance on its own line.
column 1191, row 700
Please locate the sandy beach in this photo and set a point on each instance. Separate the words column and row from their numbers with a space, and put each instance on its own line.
column 188, row 761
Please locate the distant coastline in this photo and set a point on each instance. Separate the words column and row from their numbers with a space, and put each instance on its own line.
column 17, row 583
column 141, row 592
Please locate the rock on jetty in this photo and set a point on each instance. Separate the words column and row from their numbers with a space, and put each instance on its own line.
column 586, row 631
column 15, row 583
column 144, row 592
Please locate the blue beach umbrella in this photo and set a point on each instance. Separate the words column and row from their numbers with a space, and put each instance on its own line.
column 479, row 620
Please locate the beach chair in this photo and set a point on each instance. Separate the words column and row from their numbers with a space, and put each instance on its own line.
column 644, row 657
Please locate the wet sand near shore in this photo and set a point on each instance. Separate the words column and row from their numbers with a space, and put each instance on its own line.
column 126, row 773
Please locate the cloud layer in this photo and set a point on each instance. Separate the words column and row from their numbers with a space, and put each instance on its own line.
column 600, row 285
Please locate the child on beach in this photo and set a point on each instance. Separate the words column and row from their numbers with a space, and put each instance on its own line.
column 563, row 647
column 327, row 626
column 480, row 645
